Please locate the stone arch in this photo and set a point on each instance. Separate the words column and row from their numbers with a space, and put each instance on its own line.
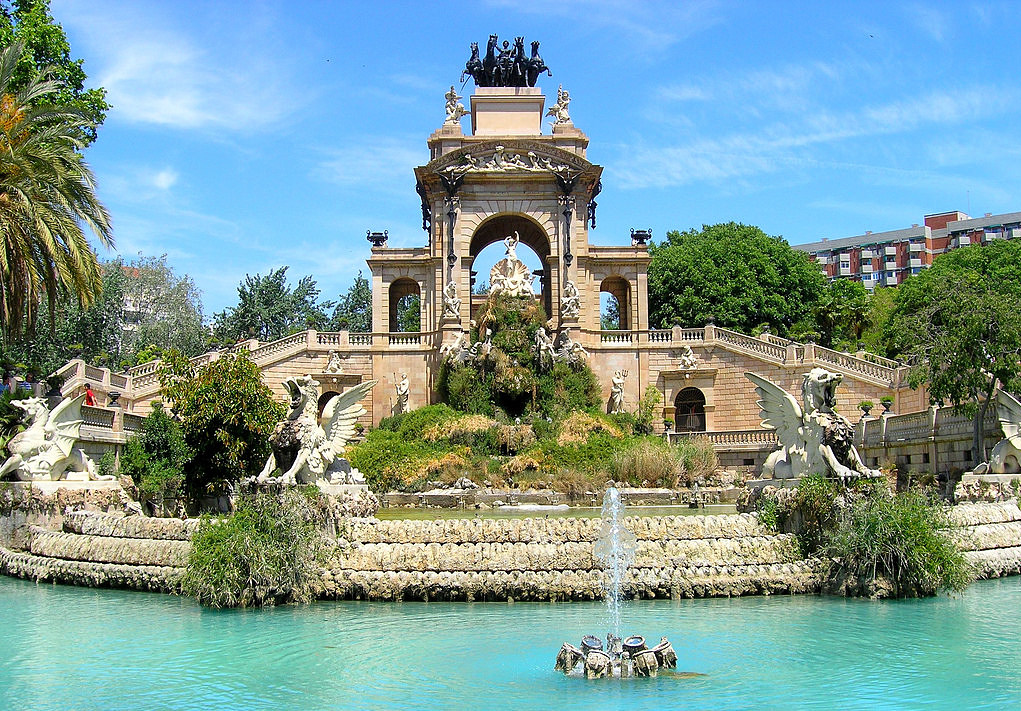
column 689, row 410
column 325, row 398
column 495, row 228
column 401, row 289
column 619, row 289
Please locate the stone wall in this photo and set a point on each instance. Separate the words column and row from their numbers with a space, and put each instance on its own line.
column 493, row 559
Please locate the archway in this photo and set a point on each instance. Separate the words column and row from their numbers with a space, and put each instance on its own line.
column 325, row 398
column 405, row 306
column 689, row 410
column 496, row 229
column 615, row 303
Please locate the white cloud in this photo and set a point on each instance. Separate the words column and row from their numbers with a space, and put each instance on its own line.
column 165, row 179
column 790, row 143
column 375, row 161
column 156, row 74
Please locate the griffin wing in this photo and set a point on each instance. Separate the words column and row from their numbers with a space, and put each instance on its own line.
column 63, row 427
column 1008, row 409
column 780, row 411
column 341, row 414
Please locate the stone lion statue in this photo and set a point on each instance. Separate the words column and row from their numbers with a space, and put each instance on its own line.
column 46, row 449
column 814, row 439
column 306, row 451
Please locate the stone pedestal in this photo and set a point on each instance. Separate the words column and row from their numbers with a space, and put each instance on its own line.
column 507, row 111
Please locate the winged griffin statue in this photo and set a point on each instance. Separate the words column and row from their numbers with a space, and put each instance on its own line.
column 1006, row 455
column 307, row 451
column 45, row 450
column 814, row 439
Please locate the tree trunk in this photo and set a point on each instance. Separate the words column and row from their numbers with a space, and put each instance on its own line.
column 978, row 441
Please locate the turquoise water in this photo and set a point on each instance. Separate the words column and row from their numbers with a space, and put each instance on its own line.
column 71, row 648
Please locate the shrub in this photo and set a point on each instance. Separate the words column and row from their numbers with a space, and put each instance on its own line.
column 647, row 410
column 107, row 464
column 270, row 550
column 649, row 462
column 578, row 427
column 155, row 458
column 416, row 422
column 388, row 458
column 227, row 415
column 901, row 538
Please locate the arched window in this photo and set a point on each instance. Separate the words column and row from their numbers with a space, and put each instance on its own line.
column 689, row 410
column 615, row 304
column 405, row 306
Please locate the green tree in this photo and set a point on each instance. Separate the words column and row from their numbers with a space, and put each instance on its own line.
column 144, row 308
column 46, row 55
column 609, row 319
column 735, row 274
column 876, row 336
column 841, row 314
column 268, row 309
column 354, row 309
column 960, row 321
column 47, row 192
column 409, row 309
column 227, row 415
column 155, row 459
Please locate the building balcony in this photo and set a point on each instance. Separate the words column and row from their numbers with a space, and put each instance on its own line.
column 916, row 247
column 916, row 262
column 891, row 251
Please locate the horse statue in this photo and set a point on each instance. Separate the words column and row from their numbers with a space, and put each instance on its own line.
column 473, row 67
column 535, row 66
column 489, row 63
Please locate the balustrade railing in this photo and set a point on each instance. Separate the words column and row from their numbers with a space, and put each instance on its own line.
column 760, row 438
column 98, row 417
column 770, row 351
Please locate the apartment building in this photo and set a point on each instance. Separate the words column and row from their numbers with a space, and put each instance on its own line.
column 887, row 258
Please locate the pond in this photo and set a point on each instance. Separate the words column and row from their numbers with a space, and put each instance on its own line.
column 65, row 648
column 72, row 648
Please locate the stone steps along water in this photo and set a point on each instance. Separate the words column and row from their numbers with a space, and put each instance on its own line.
column 107, row 549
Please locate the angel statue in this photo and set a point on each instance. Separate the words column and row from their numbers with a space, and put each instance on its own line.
column 1006, row 455
column 814, row 439
column 307, row 451
column 46, row 449
column 455, row 109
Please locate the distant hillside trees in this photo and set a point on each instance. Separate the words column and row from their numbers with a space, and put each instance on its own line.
column 144, row 308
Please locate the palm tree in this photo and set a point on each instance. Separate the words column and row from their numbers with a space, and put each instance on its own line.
column 47, row 195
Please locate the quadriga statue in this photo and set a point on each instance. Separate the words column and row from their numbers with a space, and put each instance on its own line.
column 46, row 449
column 306, row 451
column 814, row 439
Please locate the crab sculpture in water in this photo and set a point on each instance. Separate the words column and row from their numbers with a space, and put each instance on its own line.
column 814, row 438
column 46, row 449
column 305, row 451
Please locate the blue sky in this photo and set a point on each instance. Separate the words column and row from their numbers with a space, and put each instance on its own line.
column 250, row 135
